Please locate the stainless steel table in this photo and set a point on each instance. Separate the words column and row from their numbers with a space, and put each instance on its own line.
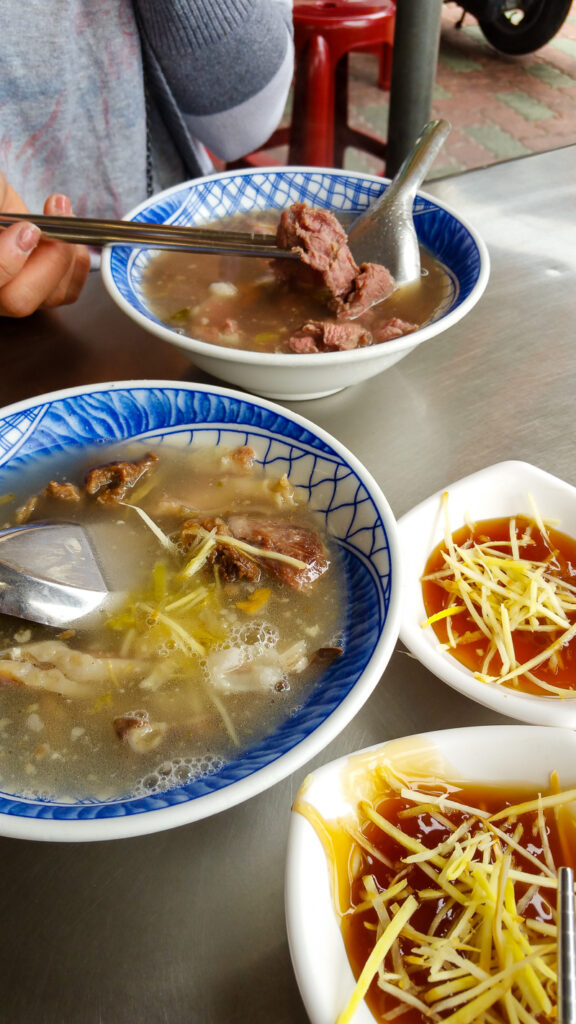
column 188, row 925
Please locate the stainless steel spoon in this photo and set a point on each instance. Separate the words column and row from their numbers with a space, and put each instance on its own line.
column 49, row 573
column 385, row 232
column 566, row 948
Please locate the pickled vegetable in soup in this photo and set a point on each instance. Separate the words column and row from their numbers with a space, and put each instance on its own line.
column 446, row 895
column 271, row 306
column 501, row 598
column 227, row 608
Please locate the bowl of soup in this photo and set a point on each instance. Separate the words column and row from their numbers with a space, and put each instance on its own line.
column 243, row 319
column 421, row 877
column 489, row 602
column 251, row 604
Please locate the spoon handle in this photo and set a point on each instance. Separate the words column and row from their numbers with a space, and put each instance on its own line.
column 566, row 948
column 413, row 169
column 384, row 232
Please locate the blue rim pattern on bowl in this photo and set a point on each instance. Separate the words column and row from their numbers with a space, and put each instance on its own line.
column 224, row 195
column 170, row 413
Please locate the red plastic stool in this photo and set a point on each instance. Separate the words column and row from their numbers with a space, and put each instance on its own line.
column 325, row 32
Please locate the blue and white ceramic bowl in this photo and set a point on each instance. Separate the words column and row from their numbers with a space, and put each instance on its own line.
column 356, row 514
column 292, row 376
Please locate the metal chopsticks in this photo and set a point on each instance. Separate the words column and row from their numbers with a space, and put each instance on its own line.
column 566, row 948
column 139, row 234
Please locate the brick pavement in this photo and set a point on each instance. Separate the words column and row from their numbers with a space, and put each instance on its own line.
column 499, row 106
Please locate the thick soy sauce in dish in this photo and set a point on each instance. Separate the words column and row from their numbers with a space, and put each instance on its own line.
column 501, row 598
column 450, row 889
column 239, row 302
column 228, row 604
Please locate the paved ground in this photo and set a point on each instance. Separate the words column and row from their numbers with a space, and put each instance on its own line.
column 499, row 106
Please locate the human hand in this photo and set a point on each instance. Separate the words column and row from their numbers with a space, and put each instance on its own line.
column 37, row 273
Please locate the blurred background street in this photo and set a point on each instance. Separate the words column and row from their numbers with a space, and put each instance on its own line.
column 499, row 106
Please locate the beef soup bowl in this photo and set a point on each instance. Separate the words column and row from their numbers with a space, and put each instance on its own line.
column 202, row 694
column 287, row 375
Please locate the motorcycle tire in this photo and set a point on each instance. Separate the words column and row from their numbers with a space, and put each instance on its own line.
column 541, row 21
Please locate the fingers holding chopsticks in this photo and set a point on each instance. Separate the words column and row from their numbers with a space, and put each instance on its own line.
column 36, row 273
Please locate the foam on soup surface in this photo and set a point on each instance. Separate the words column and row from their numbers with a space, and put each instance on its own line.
column 226, row 609
column 241, row 302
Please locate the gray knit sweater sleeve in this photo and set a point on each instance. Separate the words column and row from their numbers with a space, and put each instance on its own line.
column 224, row 66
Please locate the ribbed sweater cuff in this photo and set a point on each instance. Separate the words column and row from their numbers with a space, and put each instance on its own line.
column 180, row 26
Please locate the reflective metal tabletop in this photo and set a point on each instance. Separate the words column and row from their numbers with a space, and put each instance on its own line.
column 188, row 925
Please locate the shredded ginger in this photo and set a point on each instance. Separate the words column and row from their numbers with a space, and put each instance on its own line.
column 506, row 593
column 465, row 927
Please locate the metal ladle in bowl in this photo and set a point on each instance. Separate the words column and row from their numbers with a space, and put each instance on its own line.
column 49, row 573
column 385, row 232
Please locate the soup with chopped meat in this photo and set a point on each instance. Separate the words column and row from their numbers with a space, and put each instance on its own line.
column 322, row 303
column 225, row 612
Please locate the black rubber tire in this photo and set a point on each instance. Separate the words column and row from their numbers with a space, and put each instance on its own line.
column 541, row 22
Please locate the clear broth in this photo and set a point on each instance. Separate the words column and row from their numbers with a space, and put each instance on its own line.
column 53, row 745
column 237, row 302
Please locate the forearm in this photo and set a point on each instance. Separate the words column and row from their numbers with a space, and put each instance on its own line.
column 228, row 63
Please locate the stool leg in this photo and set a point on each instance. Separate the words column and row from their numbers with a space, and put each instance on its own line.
column 313, row 109
column 341, row 111
column 385, row 66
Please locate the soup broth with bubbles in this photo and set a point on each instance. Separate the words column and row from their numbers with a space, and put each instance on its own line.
column 238, row 302
column 212, row 643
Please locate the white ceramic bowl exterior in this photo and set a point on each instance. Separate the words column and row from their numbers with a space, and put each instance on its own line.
column 522, row 755
column 500, row 490
column 342, row 493
column 291, row 376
